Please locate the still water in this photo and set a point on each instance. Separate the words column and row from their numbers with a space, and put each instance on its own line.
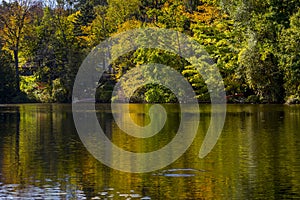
column 256, row 157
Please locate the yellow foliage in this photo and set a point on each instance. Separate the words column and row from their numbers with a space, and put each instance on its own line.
column 130, row 24
column 205, row 14
column 73, row 17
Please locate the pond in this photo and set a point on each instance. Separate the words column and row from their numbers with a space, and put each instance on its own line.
column 256, row 157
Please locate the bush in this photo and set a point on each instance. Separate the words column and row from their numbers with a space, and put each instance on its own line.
column 293, row 99
column 253, row 99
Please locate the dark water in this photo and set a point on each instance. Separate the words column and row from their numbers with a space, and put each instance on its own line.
column 256, row 157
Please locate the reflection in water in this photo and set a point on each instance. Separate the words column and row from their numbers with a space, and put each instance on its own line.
column 256, row 157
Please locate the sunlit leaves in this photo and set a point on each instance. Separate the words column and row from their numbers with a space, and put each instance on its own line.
column 255, row 44
column 290, row 57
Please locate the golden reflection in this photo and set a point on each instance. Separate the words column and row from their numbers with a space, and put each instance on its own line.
column 257, row 154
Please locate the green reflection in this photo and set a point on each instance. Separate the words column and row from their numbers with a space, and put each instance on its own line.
column 256, row 157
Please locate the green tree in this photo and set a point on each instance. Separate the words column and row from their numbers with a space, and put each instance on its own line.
column 7, row 80
column 289, row 55
column 259, row 26
column 258, row 60
column 69, row 51
column 216, row 32
column 120, row 11
column 56, row 53
column 173, row 14
column 14, row 17
column 86, row 14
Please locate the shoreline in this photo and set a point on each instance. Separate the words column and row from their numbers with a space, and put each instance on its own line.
column 103, row 103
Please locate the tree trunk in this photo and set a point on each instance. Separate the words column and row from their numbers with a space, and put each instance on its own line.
column 16, row 58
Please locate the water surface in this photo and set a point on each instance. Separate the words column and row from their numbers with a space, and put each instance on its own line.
column 256, row 157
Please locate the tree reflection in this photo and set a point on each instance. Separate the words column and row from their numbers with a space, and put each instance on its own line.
column 257, row 155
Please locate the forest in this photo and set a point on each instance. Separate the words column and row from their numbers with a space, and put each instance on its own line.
column 254, row 43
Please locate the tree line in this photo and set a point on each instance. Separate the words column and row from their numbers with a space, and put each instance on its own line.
column 255, row 45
